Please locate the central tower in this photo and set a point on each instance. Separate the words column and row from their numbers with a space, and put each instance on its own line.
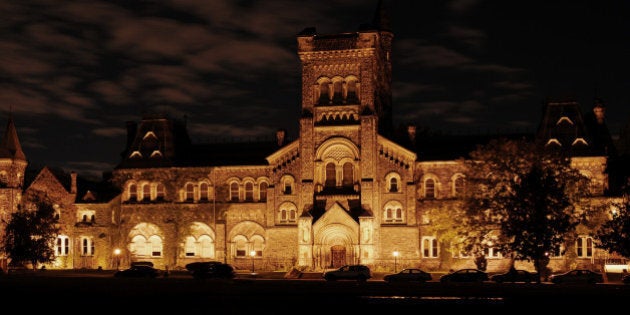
column 346, row 105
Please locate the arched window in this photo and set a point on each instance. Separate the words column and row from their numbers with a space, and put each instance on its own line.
column 249, row 191
column 324, row 93
column 190, row 192
column 393, row 184
column 204, row 192
column 206, row 245
column 287, row 213
column 263, row 191
column 156, row 246
column 429, row 189
column 146, row 192
column 189, row 246
column 348, row 175
column 240, row 244
column 93, row 219
column 161, row 191
column 234, row 191
column 331, row 178
column 138, row 246
column 352, row 95
column 393, row 212
column 133, row 192
column 287, row 183
column 257, row 245
column 337, row 93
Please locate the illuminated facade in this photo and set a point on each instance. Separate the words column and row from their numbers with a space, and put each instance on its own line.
column 347, row 190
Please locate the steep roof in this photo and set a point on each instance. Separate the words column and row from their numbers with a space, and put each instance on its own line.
column 163, row 142
column 10, row 145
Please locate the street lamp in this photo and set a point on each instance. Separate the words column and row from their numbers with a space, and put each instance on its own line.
column 395, row 253
column 117, row 257
column 252, row 254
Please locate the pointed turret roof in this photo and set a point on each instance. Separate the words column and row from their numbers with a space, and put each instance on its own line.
column 10, row 146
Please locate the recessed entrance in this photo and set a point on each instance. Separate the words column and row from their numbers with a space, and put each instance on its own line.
column 337, row 256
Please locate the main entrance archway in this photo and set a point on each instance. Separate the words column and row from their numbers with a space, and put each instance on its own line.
column 338, row 256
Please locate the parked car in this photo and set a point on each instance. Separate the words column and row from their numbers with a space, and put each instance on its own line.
column 349, row 272
column 616, row 265
column 516, row 275
column 137, row 271
column 465, row 275
column 578, row 276
column 408, row 275
column 211, row 270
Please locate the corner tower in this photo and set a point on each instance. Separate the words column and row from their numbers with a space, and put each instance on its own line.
column 12, row 167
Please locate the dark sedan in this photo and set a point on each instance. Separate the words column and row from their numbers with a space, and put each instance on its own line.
column 516, row 275
column 211, row 270
column 583, row 276
column 465, row 275
column 408, row 275
column 139, row 271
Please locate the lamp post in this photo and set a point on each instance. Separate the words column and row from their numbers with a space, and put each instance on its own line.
column 395, row 253
column 117, row 257
column 252, row 254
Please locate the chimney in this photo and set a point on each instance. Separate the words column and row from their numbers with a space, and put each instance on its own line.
column 280, row 136
column 132, row 128
column 600, row 111
column 411, row 130
column 73, row 184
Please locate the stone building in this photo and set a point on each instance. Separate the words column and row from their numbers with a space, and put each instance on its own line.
column 349, row 189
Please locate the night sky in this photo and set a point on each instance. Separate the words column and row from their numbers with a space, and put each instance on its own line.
column 72, row 73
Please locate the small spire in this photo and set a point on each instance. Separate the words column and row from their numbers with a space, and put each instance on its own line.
column 10, row 146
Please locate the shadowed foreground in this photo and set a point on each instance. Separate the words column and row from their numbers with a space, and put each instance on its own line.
column 75, row 295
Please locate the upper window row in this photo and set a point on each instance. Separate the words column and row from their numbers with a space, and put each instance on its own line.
column 337, row 91
column 197, row 192
column 248, row 191
column 431, row 187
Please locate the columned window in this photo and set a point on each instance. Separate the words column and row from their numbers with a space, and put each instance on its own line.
column 584, row 246
column 429, row 247
column 62, row 247
column 331, row 175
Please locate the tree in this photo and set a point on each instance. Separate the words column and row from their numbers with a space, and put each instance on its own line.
column 542, row 214
column 614, row 234
column 30, row 235
column 519, row 200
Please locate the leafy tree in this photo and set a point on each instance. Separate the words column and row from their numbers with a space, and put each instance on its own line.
column 30, row 235
column 614, row 234
column 520, row 200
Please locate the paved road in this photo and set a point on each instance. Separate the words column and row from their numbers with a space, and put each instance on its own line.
column 184, row 295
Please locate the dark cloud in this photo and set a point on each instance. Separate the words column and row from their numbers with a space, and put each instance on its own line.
column 73, row 72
